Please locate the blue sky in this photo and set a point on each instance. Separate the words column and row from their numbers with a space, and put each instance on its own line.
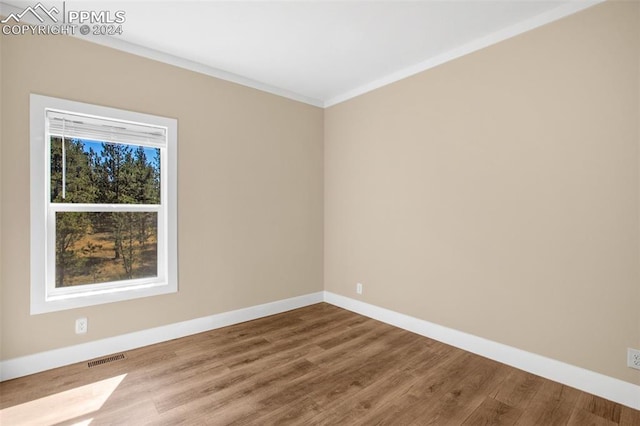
column 97, row 147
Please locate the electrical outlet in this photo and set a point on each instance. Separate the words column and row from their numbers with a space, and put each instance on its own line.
column 633, row 358
column 359, row 288
column 81, row 325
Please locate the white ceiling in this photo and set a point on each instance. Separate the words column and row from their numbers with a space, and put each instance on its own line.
column 319, row 52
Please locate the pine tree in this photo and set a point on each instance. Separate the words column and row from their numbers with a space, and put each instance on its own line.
column 113, row 174
column 70, row 226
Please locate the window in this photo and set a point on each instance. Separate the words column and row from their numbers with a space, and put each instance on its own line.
column 103, row 205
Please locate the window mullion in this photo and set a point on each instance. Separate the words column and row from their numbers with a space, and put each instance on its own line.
column 79, row 207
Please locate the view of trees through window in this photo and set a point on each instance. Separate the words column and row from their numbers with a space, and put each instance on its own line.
column 104, row 246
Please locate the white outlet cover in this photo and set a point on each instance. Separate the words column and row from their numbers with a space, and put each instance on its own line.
column 81, row 326
column 633, row 358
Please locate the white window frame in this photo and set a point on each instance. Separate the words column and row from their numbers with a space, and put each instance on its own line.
column 45, row 297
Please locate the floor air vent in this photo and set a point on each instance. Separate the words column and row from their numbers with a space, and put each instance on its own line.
column 105, row 360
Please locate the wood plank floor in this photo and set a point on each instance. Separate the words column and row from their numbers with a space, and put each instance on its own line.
column 319, row 365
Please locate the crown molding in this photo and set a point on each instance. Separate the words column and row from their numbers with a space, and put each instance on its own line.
column 562, row 11
column 473, row 46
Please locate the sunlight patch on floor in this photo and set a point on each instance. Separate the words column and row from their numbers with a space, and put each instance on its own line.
column 62, row 406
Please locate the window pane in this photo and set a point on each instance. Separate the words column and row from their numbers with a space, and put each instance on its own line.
column 97, row 247
column 104, row 173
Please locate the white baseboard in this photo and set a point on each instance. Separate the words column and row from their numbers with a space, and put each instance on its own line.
column 585, row 380
column 30, row 364
column 595, row 383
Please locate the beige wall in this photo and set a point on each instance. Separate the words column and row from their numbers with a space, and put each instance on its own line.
column 249, row 181
column 498, row 194
column 638, row 35
column 2, row 320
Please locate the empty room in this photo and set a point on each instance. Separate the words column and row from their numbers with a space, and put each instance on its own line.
column 320, row 212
